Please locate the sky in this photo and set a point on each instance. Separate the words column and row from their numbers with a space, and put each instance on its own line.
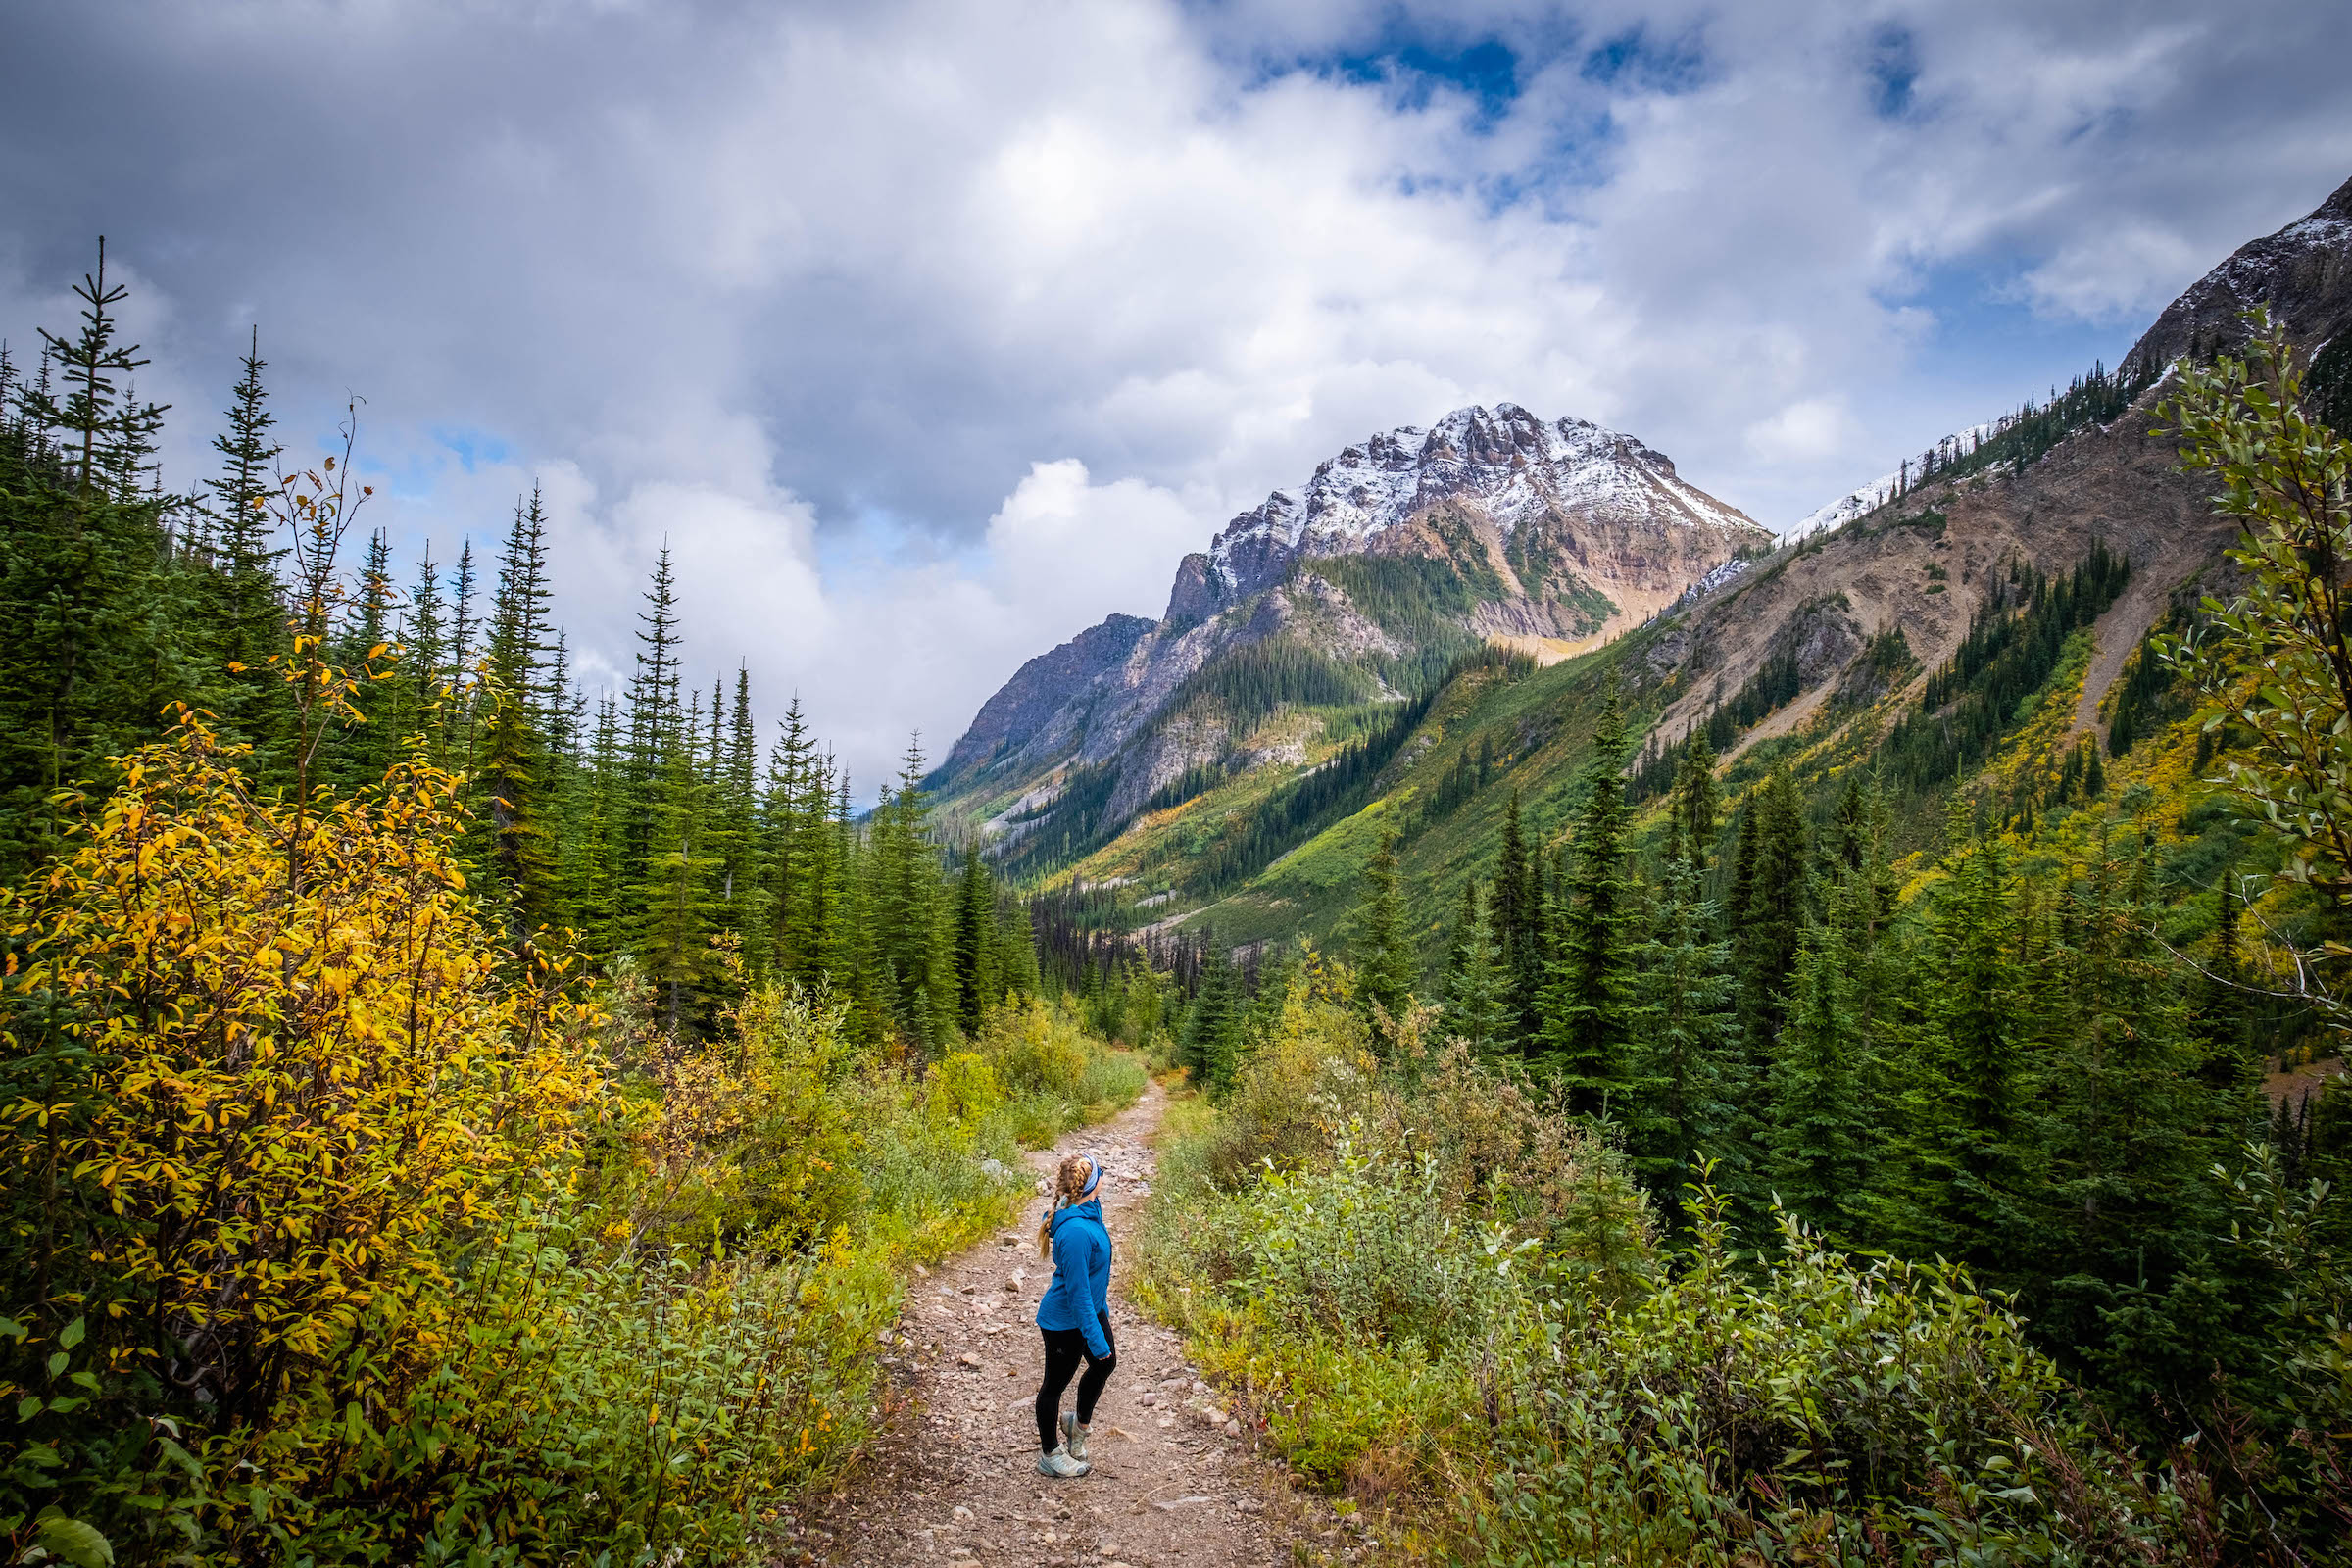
column 926, row 335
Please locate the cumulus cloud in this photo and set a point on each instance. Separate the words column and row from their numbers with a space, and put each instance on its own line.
column 926, row 334
column 1803, row 433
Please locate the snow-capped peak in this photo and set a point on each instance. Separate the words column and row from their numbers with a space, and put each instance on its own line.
column 1513, row 464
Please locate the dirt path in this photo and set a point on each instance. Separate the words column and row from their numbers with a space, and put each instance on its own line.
column 954, row 1480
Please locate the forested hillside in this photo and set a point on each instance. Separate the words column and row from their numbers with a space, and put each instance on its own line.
column 1960, row 887
column 1719, row 1054
column 445, row 1117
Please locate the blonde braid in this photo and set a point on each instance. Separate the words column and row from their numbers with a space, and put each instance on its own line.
column 1068, row 1182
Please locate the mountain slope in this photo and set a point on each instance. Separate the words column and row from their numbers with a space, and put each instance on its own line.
column 1795, row 655
column 1398, row 554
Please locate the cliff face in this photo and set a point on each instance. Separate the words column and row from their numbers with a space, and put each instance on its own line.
column 2303, row 273
column 1923, row 562
column 1026, row 705
column 1490, row 524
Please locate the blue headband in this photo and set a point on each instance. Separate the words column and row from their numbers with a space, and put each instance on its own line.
column 1092, row 1180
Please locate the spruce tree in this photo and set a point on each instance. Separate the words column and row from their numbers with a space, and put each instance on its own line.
column 1212, row 1034
column 1518, row 923
column 100, row 633
column 1697, row 801
column 424, row 659
column 674, row 941
column 1385, row 972
column 593, row 895
column 1972, row 1130
column 1686, row 1105
column 909, row 910
column 1474, row 989
column 977, row 975
column 1818, row 1136
column 797, row 832
column 742, row 890
column 653, row 707
column 515, row 764
column 2129, row 1279
column 1588, row 1026
column 246, row 606
column 1769, row 925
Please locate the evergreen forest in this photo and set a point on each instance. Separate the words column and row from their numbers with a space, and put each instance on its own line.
column 454, row 1115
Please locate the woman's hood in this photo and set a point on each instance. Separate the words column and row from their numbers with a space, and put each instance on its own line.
column 1092, row 1209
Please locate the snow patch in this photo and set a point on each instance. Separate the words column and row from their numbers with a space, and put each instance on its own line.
column 1514, row 465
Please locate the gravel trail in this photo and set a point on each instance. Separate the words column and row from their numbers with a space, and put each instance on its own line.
column 952, row 1479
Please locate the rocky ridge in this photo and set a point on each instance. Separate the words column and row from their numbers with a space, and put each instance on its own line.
column 1490, row 524
column 1924, row 562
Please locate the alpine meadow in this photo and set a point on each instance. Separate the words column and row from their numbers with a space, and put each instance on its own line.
column 1597, row 1029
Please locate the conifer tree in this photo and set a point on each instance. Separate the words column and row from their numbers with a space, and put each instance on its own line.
column 1385, row 972
column 1970, row 1128
column 1015, row 948
column 99, row 637
column 674, row 891
column 742, row 889
column 1212, row 1034
column 1474, row 991
column 797, row 832
column 593, row 894
column 1697, row 801
column 1688, row 1091
column 424, row 659
column 1768, row 926
column 1277, row 971
column 1519, row 927
column 1588, row 1028
column 978, row 987
column 515, row 764
column 2128, row 1208
column 1818, row 1135
column 909, row 912
column 653, row 706
column 246, row 607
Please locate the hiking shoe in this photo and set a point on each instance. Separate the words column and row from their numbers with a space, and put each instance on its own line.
column 1060, row 1466
column 1073, row 1436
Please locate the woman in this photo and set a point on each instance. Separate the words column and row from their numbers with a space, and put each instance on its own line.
column 1074, row 1316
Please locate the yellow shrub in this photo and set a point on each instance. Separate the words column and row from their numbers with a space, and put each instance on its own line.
column 963, row 1090
column 282, row 1066
column 1035, row 1047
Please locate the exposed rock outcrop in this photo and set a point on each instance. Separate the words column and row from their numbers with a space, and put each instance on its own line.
column 1489, row 523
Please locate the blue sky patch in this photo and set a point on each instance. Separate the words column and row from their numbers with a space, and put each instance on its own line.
column 472, row 447
column 1892, row 66
column 1635, row 61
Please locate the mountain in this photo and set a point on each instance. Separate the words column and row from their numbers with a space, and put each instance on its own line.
column 1816, row 654
column 1397, row 555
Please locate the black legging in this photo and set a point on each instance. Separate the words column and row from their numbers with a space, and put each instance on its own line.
column 1064, row 1349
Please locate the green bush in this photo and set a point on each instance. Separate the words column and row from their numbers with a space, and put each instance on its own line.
column 1439, row 1289
column 666, row 1337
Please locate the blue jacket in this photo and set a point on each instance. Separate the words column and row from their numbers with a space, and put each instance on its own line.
column 1080, row 1296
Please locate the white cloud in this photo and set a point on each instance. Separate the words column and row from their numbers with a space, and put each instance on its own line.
column 1065, row 549
column 1803, row 433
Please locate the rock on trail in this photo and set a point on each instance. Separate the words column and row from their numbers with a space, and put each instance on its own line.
column 952, row 1479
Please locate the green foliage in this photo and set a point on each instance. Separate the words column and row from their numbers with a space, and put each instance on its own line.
column 1338, row 787
column 2273, row 662
column 1387, row 973
column 2014, row 643
column 1245, row 684
column 1448, row 1291
column 1585, row 1001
